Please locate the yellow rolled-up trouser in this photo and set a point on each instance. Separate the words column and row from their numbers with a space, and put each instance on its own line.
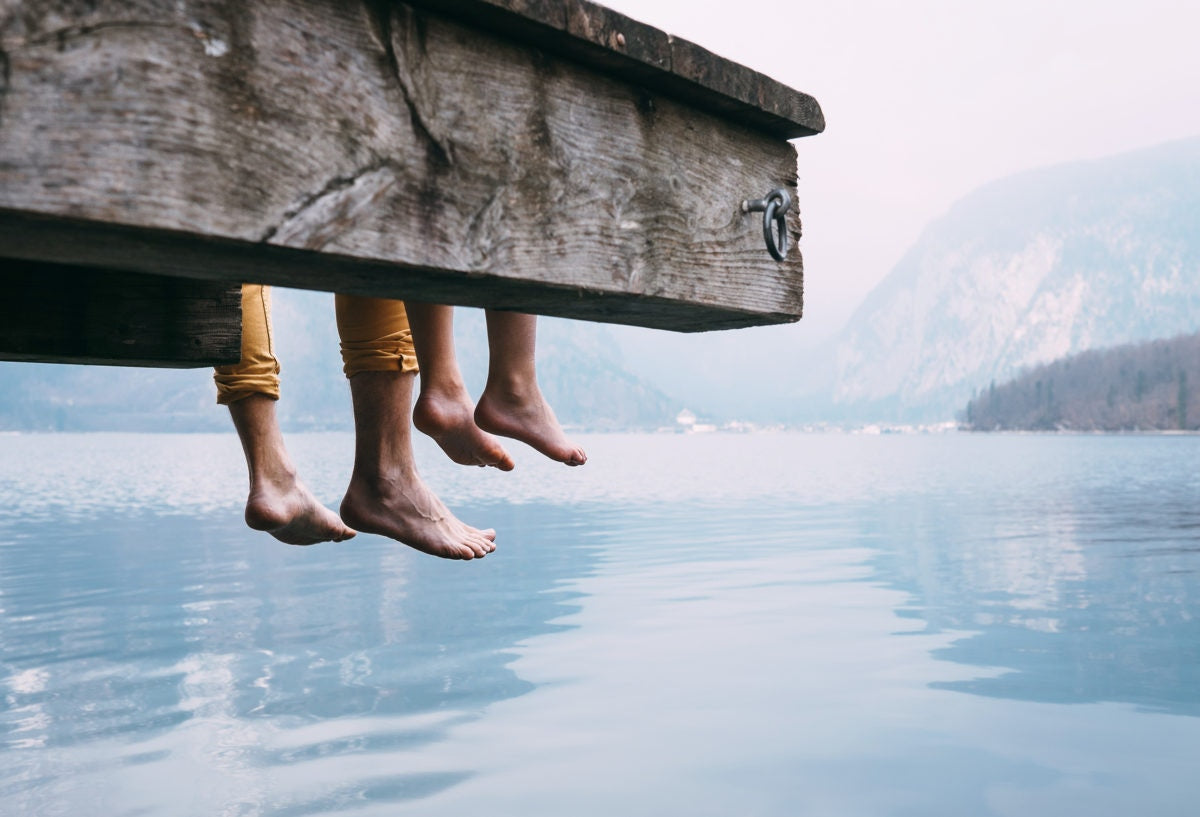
column 374, row 333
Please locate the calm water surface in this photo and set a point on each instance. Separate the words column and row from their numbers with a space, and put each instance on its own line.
column 763, row 624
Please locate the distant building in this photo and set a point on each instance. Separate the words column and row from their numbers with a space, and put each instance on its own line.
column 686, row 419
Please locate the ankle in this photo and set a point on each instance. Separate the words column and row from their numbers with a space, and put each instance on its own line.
column 377, row 481
column 444, row 390
column 437, row 407
column 511, row 389
column 279, row 476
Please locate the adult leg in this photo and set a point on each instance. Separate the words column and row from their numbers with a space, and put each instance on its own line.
column 512, row 404
column 444, row 410
column 386, row 494
column 278, row 503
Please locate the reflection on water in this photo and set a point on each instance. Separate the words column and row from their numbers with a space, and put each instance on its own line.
column 756, row 624
column 1084, row 589
column 159, row 636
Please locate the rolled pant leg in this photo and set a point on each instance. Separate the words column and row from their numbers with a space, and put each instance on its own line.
column 258, row 370
column 375, row 336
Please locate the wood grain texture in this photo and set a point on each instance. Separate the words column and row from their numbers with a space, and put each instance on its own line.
column 65, row 314
column 623, row 47
column 379, row 149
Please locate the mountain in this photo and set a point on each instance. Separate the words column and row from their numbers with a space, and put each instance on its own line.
column 581, row 369
column 1136, row 387
column 1021, row 272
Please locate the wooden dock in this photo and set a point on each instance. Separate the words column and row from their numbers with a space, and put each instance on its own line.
column 550, row 156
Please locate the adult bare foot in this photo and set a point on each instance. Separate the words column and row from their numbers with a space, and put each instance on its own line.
column 404, row 509
column 287, row 510
column 449, row 420
column 522, row 413
column 279, row 503
column 386, row 496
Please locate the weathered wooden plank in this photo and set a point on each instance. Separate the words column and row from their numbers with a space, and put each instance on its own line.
column 624, row 47
column 377, row 149
column 186, row 255
column 733, row 90
column 65, row 314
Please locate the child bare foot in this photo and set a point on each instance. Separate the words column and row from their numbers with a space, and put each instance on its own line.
column 287, row 510
column 449, row 420
column 406, row 510
column 522, row 413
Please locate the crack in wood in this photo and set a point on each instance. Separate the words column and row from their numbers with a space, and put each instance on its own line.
column 482, row 226
column 334, row 210
column 380, row 15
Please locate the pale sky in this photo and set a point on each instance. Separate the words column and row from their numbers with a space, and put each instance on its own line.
column 926, row 100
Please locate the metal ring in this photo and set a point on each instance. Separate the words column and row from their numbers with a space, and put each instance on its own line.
column 776, row 212
column 774, row 209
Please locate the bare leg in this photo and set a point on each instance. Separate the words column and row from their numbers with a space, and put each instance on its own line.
column 512, row 405
column 444, row 409
column 386, row 495
column 279, row 503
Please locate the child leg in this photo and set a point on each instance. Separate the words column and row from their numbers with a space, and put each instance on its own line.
column 444, row 410
column 512, row 404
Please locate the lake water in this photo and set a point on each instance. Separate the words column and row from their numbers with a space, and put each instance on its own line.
column 760, row 624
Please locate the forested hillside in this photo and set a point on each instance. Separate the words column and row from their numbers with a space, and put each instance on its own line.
column 1143, row 386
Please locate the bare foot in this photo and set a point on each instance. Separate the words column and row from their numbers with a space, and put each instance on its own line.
column 406, row 510
column 287, row 510
column 449, row 420
column 526, row 416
